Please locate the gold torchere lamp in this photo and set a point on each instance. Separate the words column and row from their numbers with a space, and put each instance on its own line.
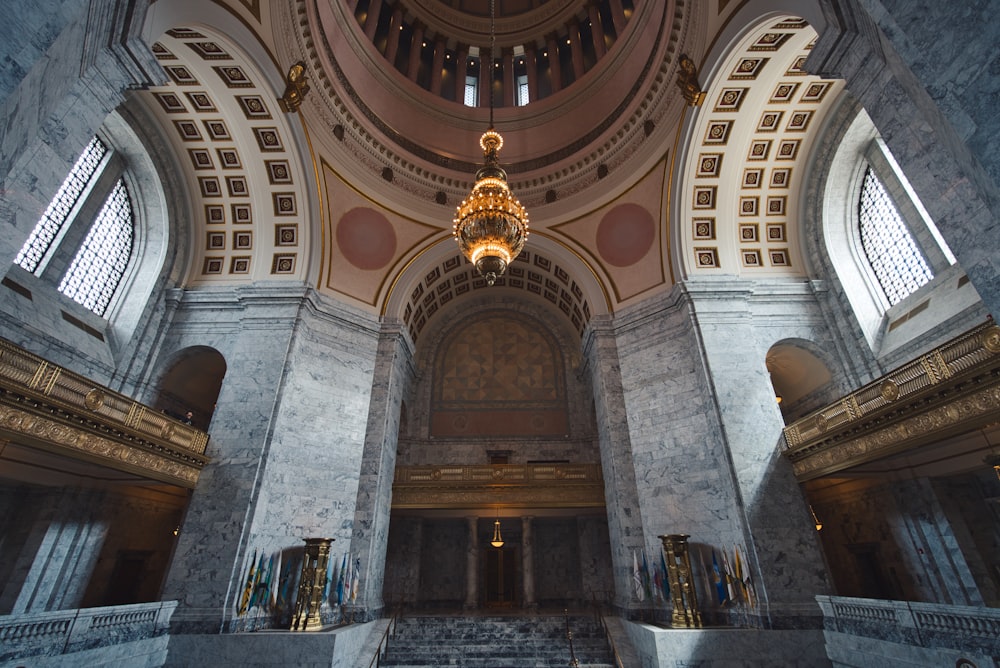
column 491, row 225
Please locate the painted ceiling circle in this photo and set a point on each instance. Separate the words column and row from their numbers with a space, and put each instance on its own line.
column 625, row 234
column 366, row 238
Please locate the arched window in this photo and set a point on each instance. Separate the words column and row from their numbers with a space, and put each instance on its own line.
column 84, row 248
column 898, row 264
column 99, row 265
column 51, row 223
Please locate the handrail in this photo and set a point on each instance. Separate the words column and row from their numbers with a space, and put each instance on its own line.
column 569, row 636
column 383, row 643
column 599, row 615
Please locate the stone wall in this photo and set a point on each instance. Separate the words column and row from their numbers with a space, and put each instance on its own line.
column 286, row 441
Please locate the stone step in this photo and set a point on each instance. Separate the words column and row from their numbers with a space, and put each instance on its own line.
column 496, row 642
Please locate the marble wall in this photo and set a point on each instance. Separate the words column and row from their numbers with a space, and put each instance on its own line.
column 286, row 440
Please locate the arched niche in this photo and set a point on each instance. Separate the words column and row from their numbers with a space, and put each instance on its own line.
column 192, row 382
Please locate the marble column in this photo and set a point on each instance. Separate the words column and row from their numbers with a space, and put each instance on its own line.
column 392, row 39
column 416, row 52
column 555, row 67
column 372, row 18
column 576, row 50
column 472, row 565
column 440, row 48
column 461, row 68
column 509, row 80
column 596, row 29
column 531, row 67
column 528, row 561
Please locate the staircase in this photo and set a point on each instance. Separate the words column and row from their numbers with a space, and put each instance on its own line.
column 534, row 641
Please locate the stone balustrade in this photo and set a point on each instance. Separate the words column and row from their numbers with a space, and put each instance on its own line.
column 60, row 632
column 870, row 627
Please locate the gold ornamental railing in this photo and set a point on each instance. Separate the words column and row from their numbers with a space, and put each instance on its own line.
column 560, row 485
column 49, row 407
column 952, row 389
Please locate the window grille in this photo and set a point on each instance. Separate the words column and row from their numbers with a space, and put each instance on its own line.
column 471, row 87
column 62, row 204
column 522, row 90
column 100, row 263
column 898, row 264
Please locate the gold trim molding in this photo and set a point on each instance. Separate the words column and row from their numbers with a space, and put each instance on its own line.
column 952, row 389
column 511, row 485
column 54, row 409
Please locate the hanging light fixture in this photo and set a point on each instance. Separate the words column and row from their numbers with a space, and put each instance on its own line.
column 819, row 525
column 491, row 225
column 497, row 538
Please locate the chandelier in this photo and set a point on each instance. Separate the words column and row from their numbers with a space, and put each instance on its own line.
column 491, row 226
column 497, row 541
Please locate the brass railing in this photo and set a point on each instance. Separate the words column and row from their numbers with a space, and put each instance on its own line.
column 953, row 388
column 49, row 407
column 383, row 643
column 465, row 485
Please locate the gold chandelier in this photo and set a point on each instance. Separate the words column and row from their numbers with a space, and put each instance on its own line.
column 491, row 225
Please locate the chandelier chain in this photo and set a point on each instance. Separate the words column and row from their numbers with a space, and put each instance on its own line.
column 493, row 43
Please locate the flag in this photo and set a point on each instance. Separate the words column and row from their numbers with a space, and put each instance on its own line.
column 720, row 584
column 729, row 577
column 746, row 581
column 356, row 582
column 738, row 572
column 327, row 578
column 647, row 590
column 340, row 581
column 637, row 577
column 287, row 581
column 666, row 577
column 276, row 584
column 291, row 589
column 248, row 587
column 657, row 582
column 264, row 599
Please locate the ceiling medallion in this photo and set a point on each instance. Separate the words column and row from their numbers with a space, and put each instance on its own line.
column 491, row 225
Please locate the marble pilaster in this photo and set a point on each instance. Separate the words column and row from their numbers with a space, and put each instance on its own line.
column 472, row 564
column 617, row 462
column 528, row 562
column 391, row 379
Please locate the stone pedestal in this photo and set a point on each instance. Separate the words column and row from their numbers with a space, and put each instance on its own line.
column 311, row 585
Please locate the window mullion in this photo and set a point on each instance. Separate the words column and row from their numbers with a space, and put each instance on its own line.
column 67, row 244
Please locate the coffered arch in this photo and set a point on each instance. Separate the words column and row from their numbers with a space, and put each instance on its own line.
column 747, row 148
column 242, row 164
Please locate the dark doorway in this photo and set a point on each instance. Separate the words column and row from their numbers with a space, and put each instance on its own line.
column 501, row 578
column 868, row 566
column 127, row 578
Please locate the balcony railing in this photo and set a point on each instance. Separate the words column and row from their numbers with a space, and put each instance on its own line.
column 52, row 408
column 926, row 625
column 537, row 485
column 49, row 634
column 953, row 388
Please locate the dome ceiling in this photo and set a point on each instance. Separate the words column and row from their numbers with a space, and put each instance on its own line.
column 606, row 154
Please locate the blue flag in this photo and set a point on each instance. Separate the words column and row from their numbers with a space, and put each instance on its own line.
column 720, row 582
